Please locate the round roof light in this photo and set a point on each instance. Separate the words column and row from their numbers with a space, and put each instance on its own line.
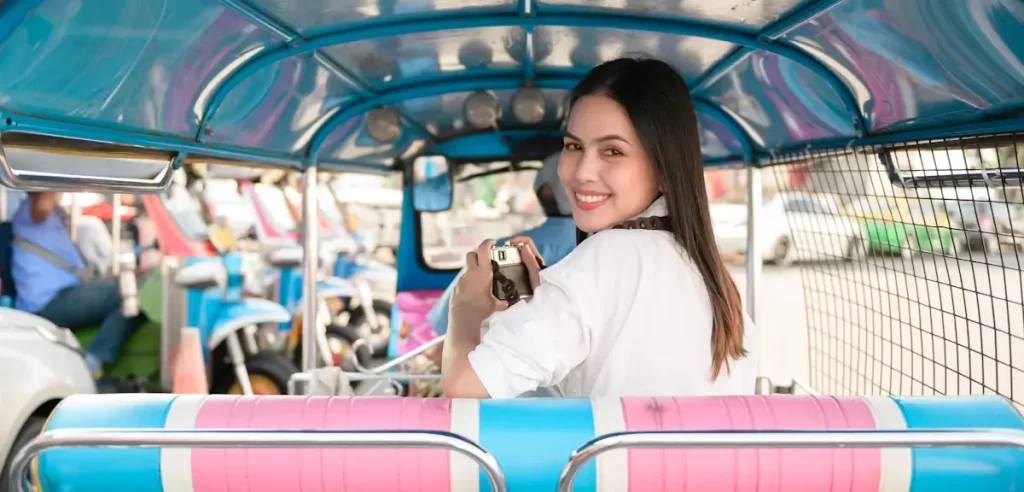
column 383, row 124
column 476, row 53
column 482, row 110
column 528, row 105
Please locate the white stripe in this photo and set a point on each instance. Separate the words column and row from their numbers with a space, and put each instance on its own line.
column 897, row 463
column 465, row 474
column 176, row 463
column 612, row 466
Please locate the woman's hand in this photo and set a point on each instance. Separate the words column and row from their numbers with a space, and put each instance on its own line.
column 472, row 296
column 531, row 258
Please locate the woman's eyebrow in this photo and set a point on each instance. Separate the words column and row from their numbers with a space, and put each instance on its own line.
column 604, row 138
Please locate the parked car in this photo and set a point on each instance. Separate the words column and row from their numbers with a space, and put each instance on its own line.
column 973, row 225
column 791, row 227
column 1009, row 222
column 42, row 364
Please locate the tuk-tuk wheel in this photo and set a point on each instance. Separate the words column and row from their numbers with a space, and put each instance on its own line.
column 379, row 340
column 268, row 375
column 340, row 340
column 28, row 432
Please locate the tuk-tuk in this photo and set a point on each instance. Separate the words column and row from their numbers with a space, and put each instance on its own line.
column 911, row 381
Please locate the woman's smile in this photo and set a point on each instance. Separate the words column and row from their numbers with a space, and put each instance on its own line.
column 587, row 201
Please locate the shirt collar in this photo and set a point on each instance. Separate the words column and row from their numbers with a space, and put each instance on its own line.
column 659, row 208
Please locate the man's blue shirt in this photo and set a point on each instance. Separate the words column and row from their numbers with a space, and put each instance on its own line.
column 36, row 279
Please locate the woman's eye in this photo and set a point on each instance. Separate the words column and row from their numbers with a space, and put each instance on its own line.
column 572, row 146
column 612, row 152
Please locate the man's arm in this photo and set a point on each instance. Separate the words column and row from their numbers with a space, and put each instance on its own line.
column 42, row 205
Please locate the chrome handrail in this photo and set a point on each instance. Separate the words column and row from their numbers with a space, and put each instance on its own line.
column 785, row 439
column 397, row 361
column 248, row 438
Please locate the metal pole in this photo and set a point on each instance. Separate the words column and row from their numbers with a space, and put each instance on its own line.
column 3, row 204
column 755, row 193
column 238, row 438
column 310, row 262
column 786, row 439
column 115, row 233
column 74, row 217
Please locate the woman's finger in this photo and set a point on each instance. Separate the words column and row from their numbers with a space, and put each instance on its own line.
column 527, row 242
column 532, row 263
column 471, row 259
column 483, row 252
column 500, row 305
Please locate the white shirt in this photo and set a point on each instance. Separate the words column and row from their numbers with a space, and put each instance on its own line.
column 625, row 314
column 95, row 243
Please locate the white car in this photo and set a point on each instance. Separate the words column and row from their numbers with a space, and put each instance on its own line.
column 42, row 364
column 791, row 227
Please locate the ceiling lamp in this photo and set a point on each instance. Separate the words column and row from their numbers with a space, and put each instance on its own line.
column 528, row 105
column 476, row 53
column 383, row 124
column 482, row 110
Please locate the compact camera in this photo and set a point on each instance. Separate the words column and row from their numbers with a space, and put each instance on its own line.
column 511, row 267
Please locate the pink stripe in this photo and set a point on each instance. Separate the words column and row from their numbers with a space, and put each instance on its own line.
column 235, row 459
column 279, row 468
column 209, row 468
column 311, row 461
column 320, row 470
column 839, row 470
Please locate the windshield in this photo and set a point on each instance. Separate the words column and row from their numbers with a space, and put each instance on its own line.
column 185, row 211
column 229, row 205
column 275, row 207
column 492, row 206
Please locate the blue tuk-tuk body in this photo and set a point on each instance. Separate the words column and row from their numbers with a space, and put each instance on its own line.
column 370, row 86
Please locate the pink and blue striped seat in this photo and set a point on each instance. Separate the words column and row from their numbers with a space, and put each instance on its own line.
column 531, row 440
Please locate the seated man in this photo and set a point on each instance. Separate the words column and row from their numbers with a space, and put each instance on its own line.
column 554, row 239
column 50, row 280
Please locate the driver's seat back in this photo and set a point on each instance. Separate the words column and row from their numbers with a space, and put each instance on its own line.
column 7, row 292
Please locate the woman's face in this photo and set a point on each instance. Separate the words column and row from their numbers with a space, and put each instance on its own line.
column 603, row 166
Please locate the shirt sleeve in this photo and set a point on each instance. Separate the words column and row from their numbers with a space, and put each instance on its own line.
column 536, row 343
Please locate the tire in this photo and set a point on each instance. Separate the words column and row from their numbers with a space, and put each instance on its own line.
column 857, row 249
column 269, row 374
column 32, row 428
column 782, row 252
column 360, row 327
column 991, row 245
column 347, row 336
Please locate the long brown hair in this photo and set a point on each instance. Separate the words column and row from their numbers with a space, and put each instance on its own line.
column 658, row 103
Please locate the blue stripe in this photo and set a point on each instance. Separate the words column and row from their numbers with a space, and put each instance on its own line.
column 963, row 468
column 100, row 469
column 533, row 438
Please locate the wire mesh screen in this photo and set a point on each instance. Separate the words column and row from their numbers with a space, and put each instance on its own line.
column 911, row 259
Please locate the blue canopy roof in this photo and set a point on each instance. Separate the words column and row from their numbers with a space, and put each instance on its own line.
column 287, row 81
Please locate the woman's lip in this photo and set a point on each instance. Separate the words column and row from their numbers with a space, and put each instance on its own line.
column 587, row 206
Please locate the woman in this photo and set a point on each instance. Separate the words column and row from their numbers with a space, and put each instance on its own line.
column 629, row 312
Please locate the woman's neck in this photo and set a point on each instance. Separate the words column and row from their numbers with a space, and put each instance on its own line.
column 659, row 208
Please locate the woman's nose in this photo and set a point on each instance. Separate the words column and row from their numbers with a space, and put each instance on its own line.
column 587, row 168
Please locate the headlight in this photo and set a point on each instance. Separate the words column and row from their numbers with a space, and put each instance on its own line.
column 60, row 336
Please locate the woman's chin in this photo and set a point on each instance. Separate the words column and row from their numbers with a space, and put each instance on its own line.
column 587, row 222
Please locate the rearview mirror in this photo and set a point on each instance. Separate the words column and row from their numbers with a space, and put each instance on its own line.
column 42, row 163
column 431, row 184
